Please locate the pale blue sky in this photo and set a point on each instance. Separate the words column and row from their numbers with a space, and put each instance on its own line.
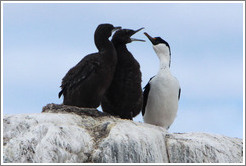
column 43, row 41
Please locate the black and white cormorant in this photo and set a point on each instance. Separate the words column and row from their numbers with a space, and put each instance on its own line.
column 124, row 96
column 162, row 93
column 85, row 84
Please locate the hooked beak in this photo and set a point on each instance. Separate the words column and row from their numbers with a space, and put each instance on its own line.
column 150, row 38
column 133, row 39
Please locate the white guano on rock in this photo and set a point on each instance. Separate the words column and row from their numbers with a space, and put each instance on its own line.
column 65, row 134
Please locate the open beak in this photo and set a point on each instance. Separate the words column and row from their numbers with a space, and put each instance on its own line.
column 138, row 30
column 133, row 39
column 150, row 38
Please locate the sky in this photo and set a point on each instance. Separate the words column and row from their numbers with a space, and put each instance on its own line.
column 42, row 41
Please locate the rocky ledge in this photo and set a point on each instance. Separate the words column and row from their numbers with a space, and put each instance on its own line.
column 66, row 134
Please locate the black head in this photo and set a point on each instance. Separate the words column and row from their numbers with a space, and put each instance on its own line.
column 106, row 30
column 123, row 36
column 156, row 40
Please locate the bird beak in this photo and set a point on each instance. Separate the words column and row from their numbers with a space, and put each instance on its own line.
column 115, row 29
column 138, row 30
column 133, row 39
column 150, row 38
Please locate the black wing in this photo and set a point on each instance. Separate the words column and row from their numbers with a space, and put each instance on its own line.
column 145, row 95
column 79, row 73
column 179, row 93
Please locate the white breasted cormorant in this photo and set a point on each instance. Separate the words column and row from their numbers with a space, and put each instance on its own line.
column 124, row 96
column 85, row 84
column 162, row 93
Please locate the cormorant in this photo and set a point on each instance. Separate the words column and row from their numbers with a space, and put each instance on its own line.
column 124, row 96
column 85, row 84
column 162, row 93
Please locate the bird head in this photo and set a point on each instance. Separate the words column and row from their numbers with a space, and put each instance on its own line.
column 106, row 30
column 160, row 46
column 123, row 36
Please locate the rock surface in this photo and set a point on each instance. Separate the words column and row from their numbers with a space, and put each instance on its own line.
column 63, row 134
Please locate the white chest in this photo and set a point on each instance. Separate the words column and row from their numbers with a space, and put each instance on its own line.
column 162, row 103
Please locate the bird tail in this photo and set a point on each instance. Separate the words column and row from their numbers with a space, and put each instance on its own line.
column 60, row 93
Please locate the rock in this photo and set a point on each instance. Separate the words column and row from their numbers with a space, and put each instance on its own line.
column 45, row 138
column 203, row 148
column 130, row 142
column 66, row 134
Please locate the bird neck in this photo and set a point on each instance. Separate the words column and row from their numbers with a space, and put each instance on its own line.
column 119, row 45
column 164, row 55
column 106, row 48
column 122, row 51
column 164, row 67
column 103, row 44
column 164, row 62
